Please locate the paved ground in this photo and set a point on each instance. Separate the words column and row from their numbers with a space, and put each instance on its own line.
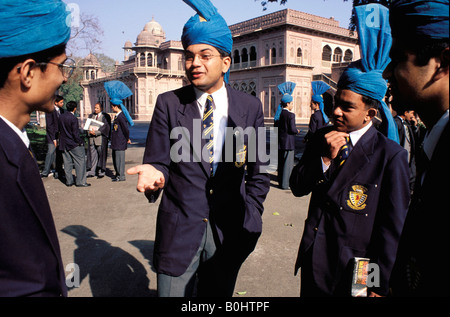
column 108, row 230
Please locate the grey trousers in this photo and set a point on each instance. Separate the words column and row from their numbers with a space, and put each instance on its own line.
column 285, row 166
column 75, row 158
column 184, row 285
column 95, row 157
column 49, row 159
column 119, row 164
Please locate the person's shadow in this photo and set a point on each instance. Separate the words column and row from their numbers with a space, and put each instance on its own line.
column 112, row 271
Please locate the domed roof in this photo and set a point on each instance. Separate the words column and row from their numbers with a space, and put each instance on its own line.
column 154, row 28
column 91, row 61
column 152, row 34
column 128, row 44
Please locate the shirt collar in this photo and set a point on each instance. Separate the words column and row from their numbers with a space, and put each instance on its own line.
column 22, row 134
column 432, row 137
column 356, row 135
column 218, row 95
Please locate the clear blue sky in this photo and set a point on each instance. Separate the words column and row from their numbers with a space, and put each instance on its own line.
column 123, row 20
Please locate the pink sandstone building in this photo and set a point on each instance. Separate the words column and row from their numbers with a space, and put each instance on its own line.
column 287, row 45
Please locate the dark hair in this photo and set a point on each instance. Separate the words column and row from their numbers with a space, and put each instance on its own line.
column 45, row 56
column 58, row 98
column 222, row 53
column 118, row 106
column 71, row 105
column 425, row 49
column 370, row 102
column 100, row 104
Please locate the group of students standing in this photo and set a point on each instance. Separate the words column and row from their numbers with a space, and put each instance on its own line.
column 66, row 147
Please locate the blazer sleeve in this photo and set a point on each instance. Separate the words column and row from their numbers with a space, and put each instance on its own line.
column 124, row 126
column 391, row 214
column 257, row 180
column 292, row 126
column 76, row 130
column 308, row 173
column 157, row 149
column 52, row 126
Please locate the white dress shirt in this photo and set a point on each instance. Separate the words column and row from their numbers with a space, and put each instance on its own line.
column 220, row 114
column 22, row 134
column 354, row 138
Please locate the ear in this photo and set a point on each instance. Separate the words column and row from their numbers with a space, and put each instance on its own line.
column 370, row 114
column 226, row 64
column 443, row 60
column 27, row 71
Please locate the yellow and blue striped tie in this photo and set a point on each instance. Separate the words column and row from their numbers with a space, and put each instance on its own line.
column 345, row 152
column 208, row 129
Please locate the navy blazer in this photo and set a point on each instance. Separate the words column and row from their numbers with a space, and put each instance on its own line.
column 423, row 257
column 120, row 133
column 69, row 130
column 51, row 126
column 286, row 131
column 316, row 122
column 358, row 211
column 30, row 257
column 232, row 200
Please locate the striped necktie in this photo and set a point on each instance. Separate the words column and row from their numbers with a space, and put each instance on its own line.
column 208, row 129
column 345, row 152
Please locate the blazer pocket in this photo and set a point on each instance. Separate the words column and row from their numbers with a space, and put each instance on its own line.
column 166, row 227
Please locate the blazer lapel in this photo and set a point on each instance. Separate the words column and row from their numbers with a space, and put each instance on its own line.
column 189, row 118
column 359, row 157
column 237, row 116
column 28, row 173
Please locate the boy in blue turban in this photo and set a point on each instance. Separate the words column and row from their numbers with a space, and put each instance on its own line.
column 209, row 219
column 319, row 118
column 286, row 135
column 33, row 36
column 419, row 79
column 358, row 177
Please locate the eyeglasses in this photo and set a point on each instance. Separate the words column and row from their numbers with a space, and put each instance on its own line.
column 67, row 68
column 203, row 57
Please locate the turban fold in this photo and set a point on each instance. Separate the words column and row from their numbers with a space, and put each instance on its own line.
column 365, row 76
column 319, row 88
column 117, row 91
column 207, row 27
column 424, row 19
column 286, row 89
column 30, row 26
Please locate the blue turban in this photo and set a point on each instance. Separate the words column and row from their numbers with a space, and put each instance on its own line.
column 117, row 91
column 30, row 26
column 207, row 27
column 319, row 88
column 365, row 76
column 286, row 89
column 424, row 19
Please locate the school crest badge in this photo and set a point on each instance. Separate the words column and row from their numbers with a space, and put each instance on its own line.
column 116, row 127
column 240, row 157
column 357, row 197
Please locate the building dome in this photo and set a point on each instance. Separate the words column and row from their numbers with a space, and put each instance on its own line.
column 154, row 28
column 91, row 61
column 152, row 34
column 128, row 45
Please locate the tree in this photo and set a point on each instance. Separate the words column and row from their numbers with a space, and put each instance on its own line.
column 86, row 36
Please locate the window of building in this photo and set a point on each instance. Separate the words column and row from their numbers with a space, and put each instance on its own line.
column 236, row 57
column 326, row 53
column 348, row 57
column 337, row 57
column 299, row 56
column 274, row 56
column 253, row 54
